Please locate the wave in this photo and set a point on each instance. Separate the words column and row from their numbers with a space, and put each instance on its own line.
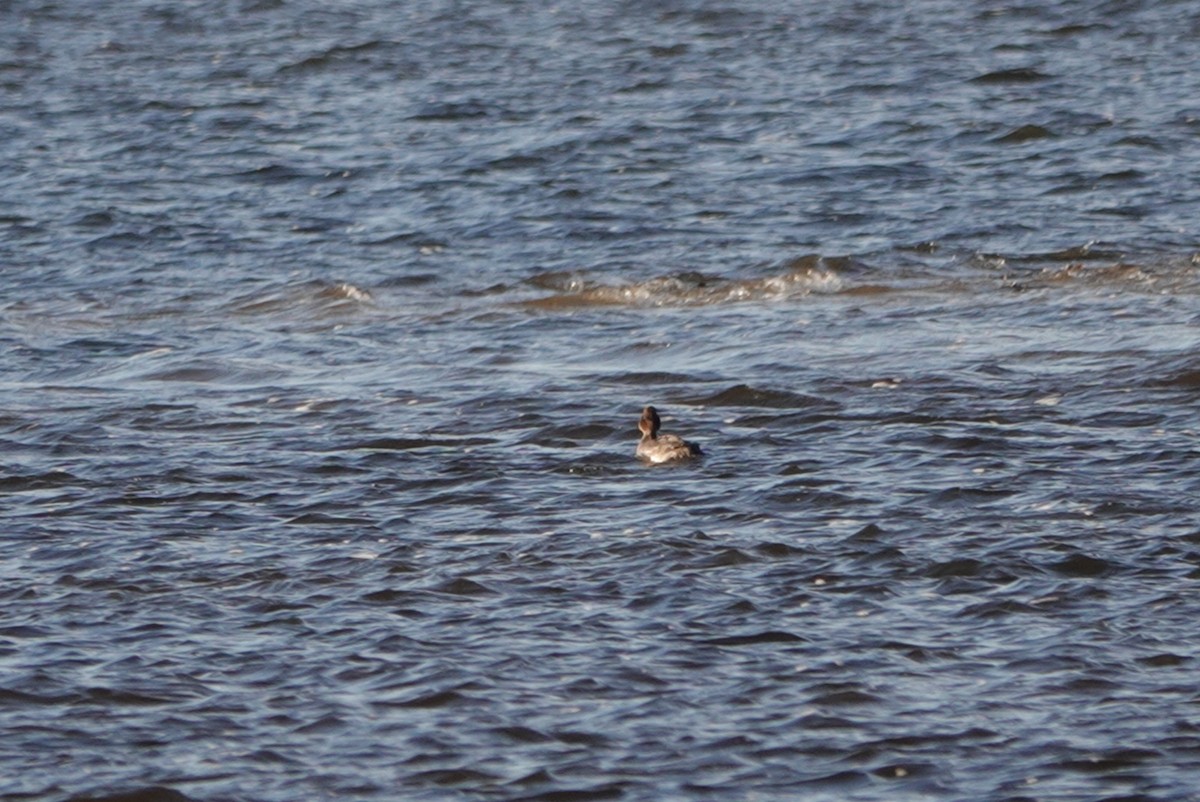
column 1087, row 267
column 803, row 276
column 316, row 299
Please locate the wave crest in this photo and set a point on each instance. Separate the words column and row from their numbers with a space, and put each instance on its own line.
column 801, row 276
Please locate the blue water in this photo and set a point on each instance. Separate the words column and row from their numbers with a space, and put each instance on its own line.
column 325, row 333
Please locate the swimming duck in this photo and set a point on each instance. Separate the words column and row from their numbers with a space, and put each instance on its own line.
column 655, row 447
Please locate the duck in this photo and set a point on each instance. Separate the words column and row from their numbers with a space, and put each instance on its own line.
column 655, row 447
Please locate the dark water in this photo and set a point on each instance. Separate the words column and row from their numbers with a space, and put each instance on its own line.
column 325, row 331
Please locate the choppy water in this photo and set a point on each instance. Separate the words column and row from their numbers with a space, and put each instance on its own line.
column 325, row 332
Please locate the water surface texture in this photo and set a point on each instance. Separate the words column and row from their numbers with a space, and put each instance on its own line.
column 325, row 329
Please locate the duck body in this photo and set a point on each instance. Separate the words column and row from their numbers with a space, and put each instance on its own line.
column 655, row 447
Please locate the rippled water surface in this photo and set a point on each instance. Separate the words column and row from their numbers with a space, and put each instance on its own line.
column 326, row 327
